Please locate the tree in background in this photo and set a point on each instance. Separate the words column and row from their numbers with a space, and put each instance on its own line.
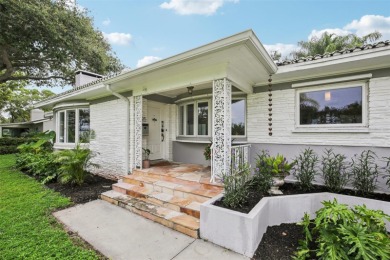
column 330, row 42
column 46, row 41
column 16, row 101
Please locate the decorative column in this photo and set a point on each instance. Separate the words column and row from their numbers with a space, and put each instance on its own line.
column 138, row 132
column 222, row 98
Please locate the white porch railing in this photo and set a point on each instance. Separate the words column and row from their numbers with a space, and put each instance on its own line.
column 239, row 157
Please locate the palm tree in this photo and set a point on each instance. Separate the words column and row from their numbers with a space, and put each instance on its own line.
column 330, row 42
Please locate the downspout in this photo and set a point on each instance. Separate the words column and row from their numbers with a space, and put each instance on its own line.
column 127, row 137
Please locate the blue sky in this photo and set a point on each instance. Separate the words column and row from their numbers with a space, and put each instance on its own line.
column 149, row 30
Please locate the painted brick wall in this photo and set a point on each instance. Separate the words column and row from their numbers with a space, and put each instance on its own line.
column 284, row 120
column 108, row 121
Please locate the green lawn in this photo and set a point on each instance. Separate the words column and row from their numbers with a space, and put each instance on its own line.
column 27, row 228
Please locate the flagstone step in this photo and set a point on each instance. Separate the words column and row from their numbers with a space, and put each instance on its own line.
column 176, row 220
column 174, row 186
column 191, row 178
column 179, row 204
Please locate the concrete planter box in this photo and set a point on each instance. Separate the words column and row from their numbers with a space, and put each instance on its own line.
column 242, row 233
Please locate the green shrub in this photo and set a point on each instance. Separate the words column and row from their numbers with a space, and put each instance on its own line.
column 37, row 158
column 74, row 165
column 236, row 187
column 365, row 172
column 42, row 165
column 262, row 178
column 9, row 145
column 334, row 170
column 305, row 169
column 43, row 142
column 344, row 233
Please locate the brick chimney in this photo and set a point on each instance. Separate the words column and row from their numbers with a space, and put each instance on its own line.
column 83, row 77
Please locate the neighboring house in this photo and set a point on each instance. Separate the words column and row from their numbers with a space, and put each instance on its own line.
column 39, row 122
column 176, row 106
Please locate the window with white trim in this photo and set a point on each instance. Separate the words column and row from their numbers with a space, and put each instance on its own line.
column 332, row 106
column 238, row 117
column 195, row 118
column 72, row 125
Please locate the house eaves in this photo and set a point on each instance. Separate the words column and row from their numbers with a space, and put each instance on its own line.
column 246, row 38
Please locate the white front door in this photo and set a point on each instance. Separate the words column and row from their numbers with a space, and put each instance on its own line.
column 155, row 138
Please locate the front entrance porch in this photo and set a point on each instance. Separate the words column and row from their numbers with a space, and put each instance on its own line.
column 167, row 194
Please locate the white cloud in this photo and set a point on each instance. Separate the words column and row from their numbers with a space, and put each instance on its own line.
column 335, row 31
column 284, row 49
column 147, row 60
column 370, row 23
column 201, row 7
column 118, row 38
column 106, row 22
column 365, row 25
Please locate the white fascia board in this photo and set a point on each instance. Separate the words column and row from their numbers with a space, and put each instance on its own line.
column 333, row 80
column 261, row 53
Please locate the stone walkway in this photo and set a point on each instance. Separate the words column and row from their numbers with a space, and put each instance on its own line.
column 120, row 234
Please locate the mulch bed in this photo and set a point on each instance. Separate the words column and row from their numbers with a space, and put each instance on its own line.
column 90, row 190
column 279, row 242
column 293, row 189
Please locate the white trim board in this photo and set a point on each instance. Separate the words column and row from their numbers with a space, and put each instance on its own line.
column 334, row 80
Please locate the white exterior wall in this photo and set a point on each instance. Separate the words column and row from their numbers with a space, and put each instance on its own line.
column 108, row 120
column 284, row 110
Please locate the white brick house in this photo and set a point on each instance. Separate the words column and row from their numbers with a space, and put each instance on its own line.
column 350, row 91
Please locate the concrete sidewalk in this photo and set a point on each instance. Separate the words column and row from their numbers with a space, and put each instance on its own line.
column 120, row 234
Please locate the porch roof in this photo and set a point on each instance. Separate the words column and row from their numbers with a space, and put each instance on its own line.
column 240, row 57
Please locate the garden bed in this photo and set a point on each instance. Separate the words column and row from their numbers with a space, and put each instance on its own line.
column 293, row 189
column 242, row 232
column 90, row 190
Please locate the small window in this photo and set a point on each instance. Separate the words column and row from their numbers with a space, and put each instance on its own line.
column 62, row 127
column 84, row 125
column 203, row 118
column 190, row 119
column 71, row 125
column 181, row 120
column 332, row 106
column 238, row 117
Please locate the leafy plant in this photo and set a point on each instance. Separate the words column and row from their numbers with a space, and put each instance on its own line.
column 236, row 187
column 305, row 168
column 345, row 233
column 334, row 170
column 74, row 165
column 387, row 170
column 365, row 172
column 262, row 178
column 207, row 152
column 43, row 144
column 42, row 165
column 147, row 152
column 278, row 165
